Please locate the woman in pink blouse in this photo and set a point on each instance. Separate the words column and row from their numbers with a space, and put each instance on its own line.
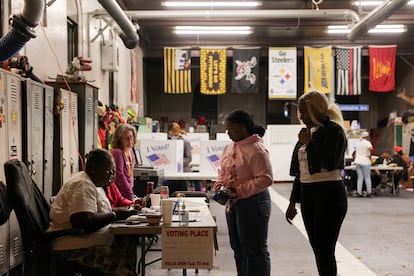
column 247, row 172
column 123, row 141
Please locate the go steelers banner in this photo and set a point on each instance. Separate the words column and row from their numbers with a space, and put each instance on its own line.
column 282, row 73
column 213, row 71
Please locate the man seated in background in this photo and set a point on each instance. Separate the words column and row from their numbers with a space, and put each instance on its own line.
column 402, row 160
column 82, row 203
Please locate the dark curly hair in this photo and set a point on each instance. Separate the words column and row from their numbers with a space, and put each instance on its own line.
column 244, row 118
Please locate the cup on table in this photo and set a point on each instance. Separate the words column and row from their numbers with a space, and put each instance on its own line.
column 155, row 199
column 166, row 210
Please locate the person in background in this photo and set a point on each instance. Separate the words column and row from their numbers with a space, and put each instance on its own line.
column 402, row 160
column 176, row 133
column 382, row 160
column 317, row 161
column 363, row 164
column 115, row 197
column 246, row 170
column 81, row 203
column 123, row 141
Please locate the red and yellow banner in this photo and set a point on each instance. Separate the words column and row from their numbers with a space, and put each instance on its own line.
column 318, row 68
column 382, row 68
column 213, row 71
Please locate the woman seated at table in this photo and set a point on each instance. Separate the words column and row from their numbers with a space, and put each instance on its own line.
column 115, row 197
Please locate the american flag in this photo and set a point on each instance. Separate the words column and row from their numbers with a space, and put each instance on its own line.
column 214, row 160
column 348, row 70
column 158, row 159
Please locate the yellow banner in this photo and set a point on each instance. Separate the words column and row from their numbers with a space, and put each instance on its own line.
column 213, row 71
column 318, row 68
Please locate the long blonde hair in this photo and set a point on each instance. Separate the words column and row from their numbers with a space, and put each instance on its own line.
column 318, row 108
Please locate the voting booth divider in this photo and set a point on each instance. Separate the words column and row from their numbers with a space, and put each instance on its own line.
column 195, row 138
column 210, row 156
column 167, row 155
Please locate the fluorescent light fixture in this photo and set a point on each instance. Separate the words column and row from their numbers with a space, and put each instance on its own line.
column 392, row 28
column 374, row 3
column 188, row 4
column 219, row 30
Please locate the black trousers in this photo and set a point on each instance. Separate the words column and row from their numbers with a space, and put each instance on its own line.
column 323, row 206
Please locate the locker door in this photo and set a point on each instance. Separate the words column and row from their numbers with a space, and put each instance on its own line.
column 35, row 132
column 15, row 242
column 74, row 130
column 4, row 156
column 89, row 121
column 65, row 135
column 4, row 234
column 48, row 143
column 14, row 120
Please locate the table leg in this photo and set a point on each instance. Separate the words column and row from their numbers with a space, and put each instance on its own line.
column 143, row 255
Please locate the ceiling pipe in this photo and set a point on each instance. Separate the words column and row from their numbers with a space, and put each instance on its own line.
column 129, row 36
column 246, row 14
column 375, row 17
column 22, row 28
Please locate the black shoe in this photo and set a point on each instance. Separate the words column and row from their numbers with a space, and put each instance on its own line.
column 360, row 195
column 369, row 195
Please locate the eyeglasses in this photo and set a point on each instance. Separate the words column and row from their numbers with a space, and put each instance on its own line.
column 128, row 138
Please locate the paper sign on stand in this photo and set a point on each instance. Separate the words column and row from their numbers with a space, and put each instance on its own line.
column 194, row 139
column 167, row 155
column 187, row 248
column 210, row 154
column 161, row 136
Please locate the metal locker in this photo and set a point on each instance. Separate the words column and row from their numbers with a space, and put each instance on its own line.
column 65, row 138
column 15, row 242
column 14, row 116
column 4, row 259
column 3, row 132
column 48, row 142
column 33, row 129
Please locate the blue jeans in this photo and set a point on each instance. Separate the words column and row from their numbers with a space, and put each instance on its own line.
column 248, row 223
column 364, row 174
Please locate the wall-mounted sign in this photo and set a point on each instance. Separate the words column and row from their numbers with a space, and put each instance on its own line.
column 353, row 107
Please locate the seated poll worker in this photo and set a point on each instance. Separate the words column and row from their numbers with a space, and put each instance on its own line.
column 81, row 203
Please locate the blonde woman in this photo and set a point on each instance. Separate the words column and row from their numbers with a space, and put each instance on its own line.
column 123, row 141
column 316, row 164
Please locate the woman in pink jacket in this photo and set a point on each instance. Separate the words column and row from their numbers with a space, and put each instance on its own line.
column 123, row 141
column 245, row 174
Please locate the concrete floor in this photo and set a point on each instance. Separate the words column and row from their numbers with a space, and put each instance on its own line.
column 376, row 239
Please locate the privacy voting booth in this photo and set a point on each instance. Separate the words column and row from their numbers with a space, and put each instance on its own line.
column 210, row 155
column 195, row 139
column 167, row 155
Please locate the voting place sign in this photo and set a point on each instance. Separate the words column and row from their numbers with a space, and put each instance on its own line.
column 187, row 247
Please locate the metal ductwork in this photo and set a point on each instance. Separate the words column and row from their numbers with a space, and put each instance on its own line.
column 22, row 28
column 130, row 36
column 376, row 16
column 246, row 14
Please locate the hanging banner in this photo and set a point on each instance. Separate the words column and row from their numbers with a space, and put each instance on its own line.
column 213, row 71
column 245, row 70
column 318, row 68
column 177, row 71
column 348, row 70
column 282, row 73
column 133, row 94
column 382, row 68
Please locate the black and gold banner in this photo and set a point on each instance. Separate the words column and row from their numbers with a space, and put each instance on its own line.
column 213, row 71
column 177, row 71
